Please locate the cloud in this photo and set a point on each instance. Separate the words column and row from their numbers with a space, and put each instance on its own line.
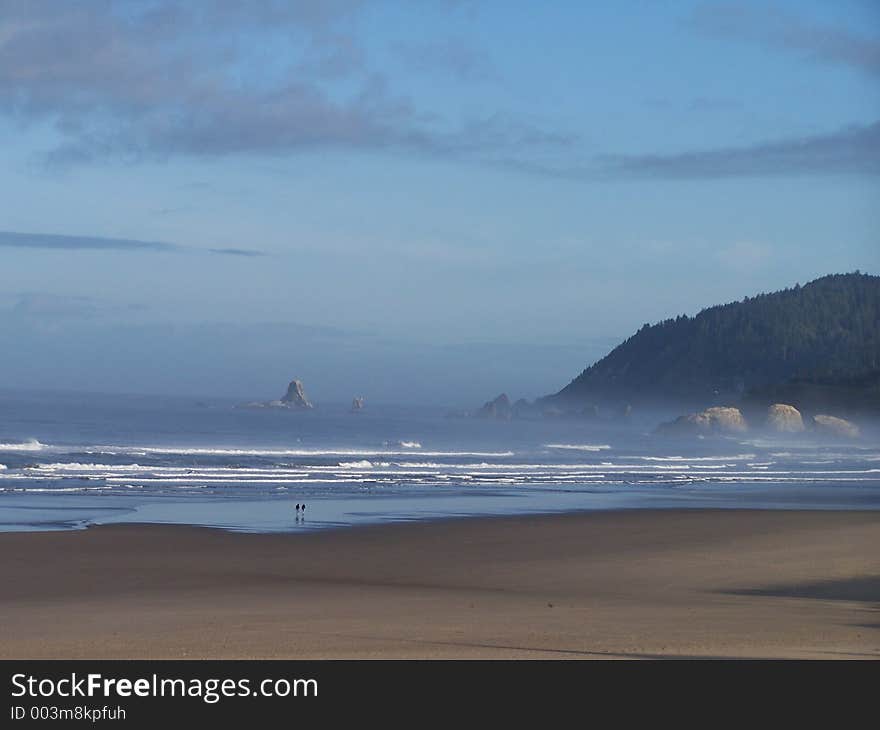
column 236, row 252
column 14, row 239
column 40, row 305
column 854, row 150
column 133, row 80
column 451, row 56
column 713, row 104
column 777, row 29
column 154, row 80
column 697, row 104
column 53, row 305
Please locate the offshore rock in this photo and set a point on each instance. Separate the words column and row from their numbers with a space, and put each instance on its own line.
column 499, row 408
column 718, row 419
column 295, row 397
column 833, row 426
column 783, row 418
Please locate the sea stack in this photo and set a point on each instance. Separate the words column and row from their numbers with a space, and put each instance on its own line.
column 719, row 419
column 783, row 418
column 499, row 408
column 295, row 397
column 833, row 426
column 357, row 404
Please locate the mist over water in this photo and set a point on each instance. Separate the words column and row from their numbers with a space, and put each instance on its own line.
column 69, row 461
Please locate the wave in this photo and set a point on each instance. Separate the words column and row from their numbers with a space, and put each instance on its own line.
column 316, row 453
column 56, row 490
column 735, row 457
column 195, row 479
column 86, row 466
column 634, row 464
column 29, row 445
column 579, row 447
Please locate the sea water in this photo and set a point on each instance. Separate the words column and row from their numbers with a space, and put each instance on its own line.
column 69, row 461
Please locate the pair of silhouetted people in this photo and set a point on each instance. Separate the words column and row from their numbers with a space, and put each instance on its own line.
column 300, row 508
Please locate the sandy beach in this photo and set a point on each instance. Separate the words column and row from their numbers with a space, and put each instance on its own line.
column 628, row 584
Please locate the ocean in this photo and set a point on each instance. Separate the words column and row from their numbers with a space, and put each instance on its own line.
column 68, row 461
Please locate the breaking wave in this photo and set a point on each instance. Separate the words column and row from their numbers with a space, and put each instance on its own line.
column 270, row 452
column 579, row 447
column 29, row 445
column 364, row 464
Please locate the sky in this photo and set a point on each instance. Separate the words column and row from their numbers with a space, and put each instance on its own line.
column 428, row 202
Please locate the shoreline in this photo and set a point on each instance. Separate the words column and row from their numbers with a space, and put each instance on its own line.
column 602, row 584
column 276, row 516
column 488, row 517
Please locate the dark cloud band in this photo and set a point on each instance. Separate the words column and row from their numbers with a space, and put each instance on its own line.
column 52, row 241
column 854, row 150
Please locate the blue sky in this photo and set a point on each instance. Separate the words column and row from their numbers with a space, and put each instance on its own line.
column 377, row 187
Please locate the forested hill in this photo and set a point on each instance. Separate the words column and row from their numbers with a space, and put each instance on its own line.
column 829, row 328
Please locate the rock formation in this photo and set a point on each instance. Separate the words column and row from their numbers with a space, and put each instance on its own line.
column 724, row 419
column 295, row 397
column 833, row 426
column 719, row 419
column 499, row 408
column 357, row 404
column 783, row 418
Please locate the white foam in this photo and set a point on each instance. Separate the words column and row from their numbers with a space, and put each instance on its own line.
column 29, row 445
column 364, row 464
column 85, row 466
column 218, row 480
column 579, row 447
column 317, row 453
column 735, row 457
column 55, row 490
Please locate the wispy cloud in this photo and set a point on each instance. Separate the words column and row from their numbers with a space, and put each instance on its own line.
column 781, row 30
column 451, row 56
column 713, row 104
column 52, row 241
column 236, row 252
column 854, row 150
column 697, row 104
column 133, row 81
column 52, row 305
column 12, row 239
column 43, row 305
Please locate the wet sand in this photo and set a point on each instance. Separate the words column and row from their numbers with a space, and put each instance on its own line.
column 627, row 584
